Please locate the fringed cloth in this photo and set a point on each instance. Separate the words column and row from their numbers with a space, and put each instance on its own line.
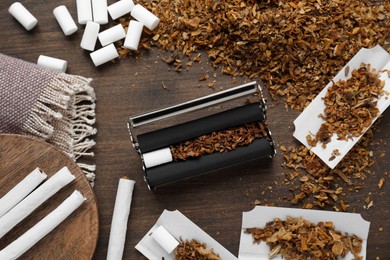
column 48, row 105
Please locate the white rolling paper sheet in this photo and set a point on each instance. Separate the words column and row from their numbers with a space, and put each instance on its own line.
column 350, row 223
column 308, row 122
column 181, row 228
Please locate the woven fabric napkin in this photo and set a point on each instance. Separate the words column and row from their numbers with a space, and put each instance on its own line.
column 52, row 106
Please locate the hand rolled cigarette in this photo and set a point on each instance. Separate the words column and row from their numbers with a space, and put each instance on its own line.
column 34, row 200
column 21, row 190
column 43, row 227
column 120, row 217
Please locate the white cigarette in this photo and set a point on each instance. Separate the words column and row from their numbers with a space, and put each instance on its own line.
column 43, row 227
column 34, row 200
column 157, row 157
column 112, row 34
column 104, row 55
column 120, row 8
column 165, row 239
column 144, row 16
column 65, row 20
column 84, row 11
column 90, row 35
column 21, row 190
column 99, row 10
column 133, row 36
column 120, row 218
column 52, row 63
column 22, row 15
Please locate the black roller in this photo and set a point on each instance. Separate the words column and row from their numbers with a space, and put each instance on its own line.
column 230, row 118
column 170, row 172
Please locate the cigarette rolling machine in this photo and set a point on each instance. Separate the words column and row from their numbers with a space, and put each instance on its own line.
column 154, row 147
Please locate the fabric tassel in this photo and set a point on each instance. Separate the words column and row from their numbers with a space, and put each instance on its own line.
column 60, row 110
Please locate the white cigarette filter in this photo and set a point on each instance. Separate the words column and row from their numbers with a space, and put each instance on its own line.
column 144, row 16
column 112, row 34
column 120, row 218
column 133, row 36
column 34, row 200
column 157, row 157
column 90, row 35
column 23, row 16
column 84, row 11
column 52, row 63
column 65, row 20
column 120, row 8
column 165, row 239
column 43, row 227
column 104, row 55
column 21, row 190
column 99, row 10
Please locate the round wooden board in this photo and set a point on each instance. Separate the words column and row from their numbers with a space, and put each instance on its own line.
column 76, row 237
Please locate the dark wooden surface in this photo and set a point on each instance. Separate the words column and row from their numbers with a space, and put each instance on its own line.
column 214, row 201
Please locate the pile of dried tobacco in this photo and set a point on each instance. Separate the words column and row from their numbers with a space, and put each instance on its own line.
column 296, row 47
column 219, row 141
column 350, row 106
column 194, row 250
column 297, row 238
column 320, row 186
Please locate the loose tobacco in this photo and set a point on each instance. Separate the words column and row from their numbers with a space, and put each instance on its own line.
column 296, row 48
column 313, row 183
column 297, row 238
column 350, row 106
column 194, row 250
column 219, row 141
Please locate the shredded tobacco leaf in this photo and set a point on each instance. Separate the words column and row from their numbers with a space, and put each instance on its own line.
column 350, row 106
column 320, row 186
column 297, row 238
column 219, row 141
column 194, row 250
column 295, row 47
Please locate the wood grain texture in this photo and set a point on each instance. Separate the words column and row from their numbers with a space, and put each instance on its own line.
column 76, row 237
column 214, row 201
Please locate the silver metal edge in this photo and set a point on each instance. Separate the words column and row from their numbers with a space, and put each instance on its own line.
column 255, row 89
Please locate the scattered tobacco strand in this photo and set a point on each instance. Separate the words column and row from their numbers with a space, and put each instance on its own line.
column 219, row 141
column 194, row 250
column 350, row 106
column 297, row 238
column 313, row 183
column 381, row 182
column 296, row 48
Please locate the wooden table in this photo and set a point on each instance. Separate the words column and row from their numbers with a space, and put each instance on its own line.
column 213, row 201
